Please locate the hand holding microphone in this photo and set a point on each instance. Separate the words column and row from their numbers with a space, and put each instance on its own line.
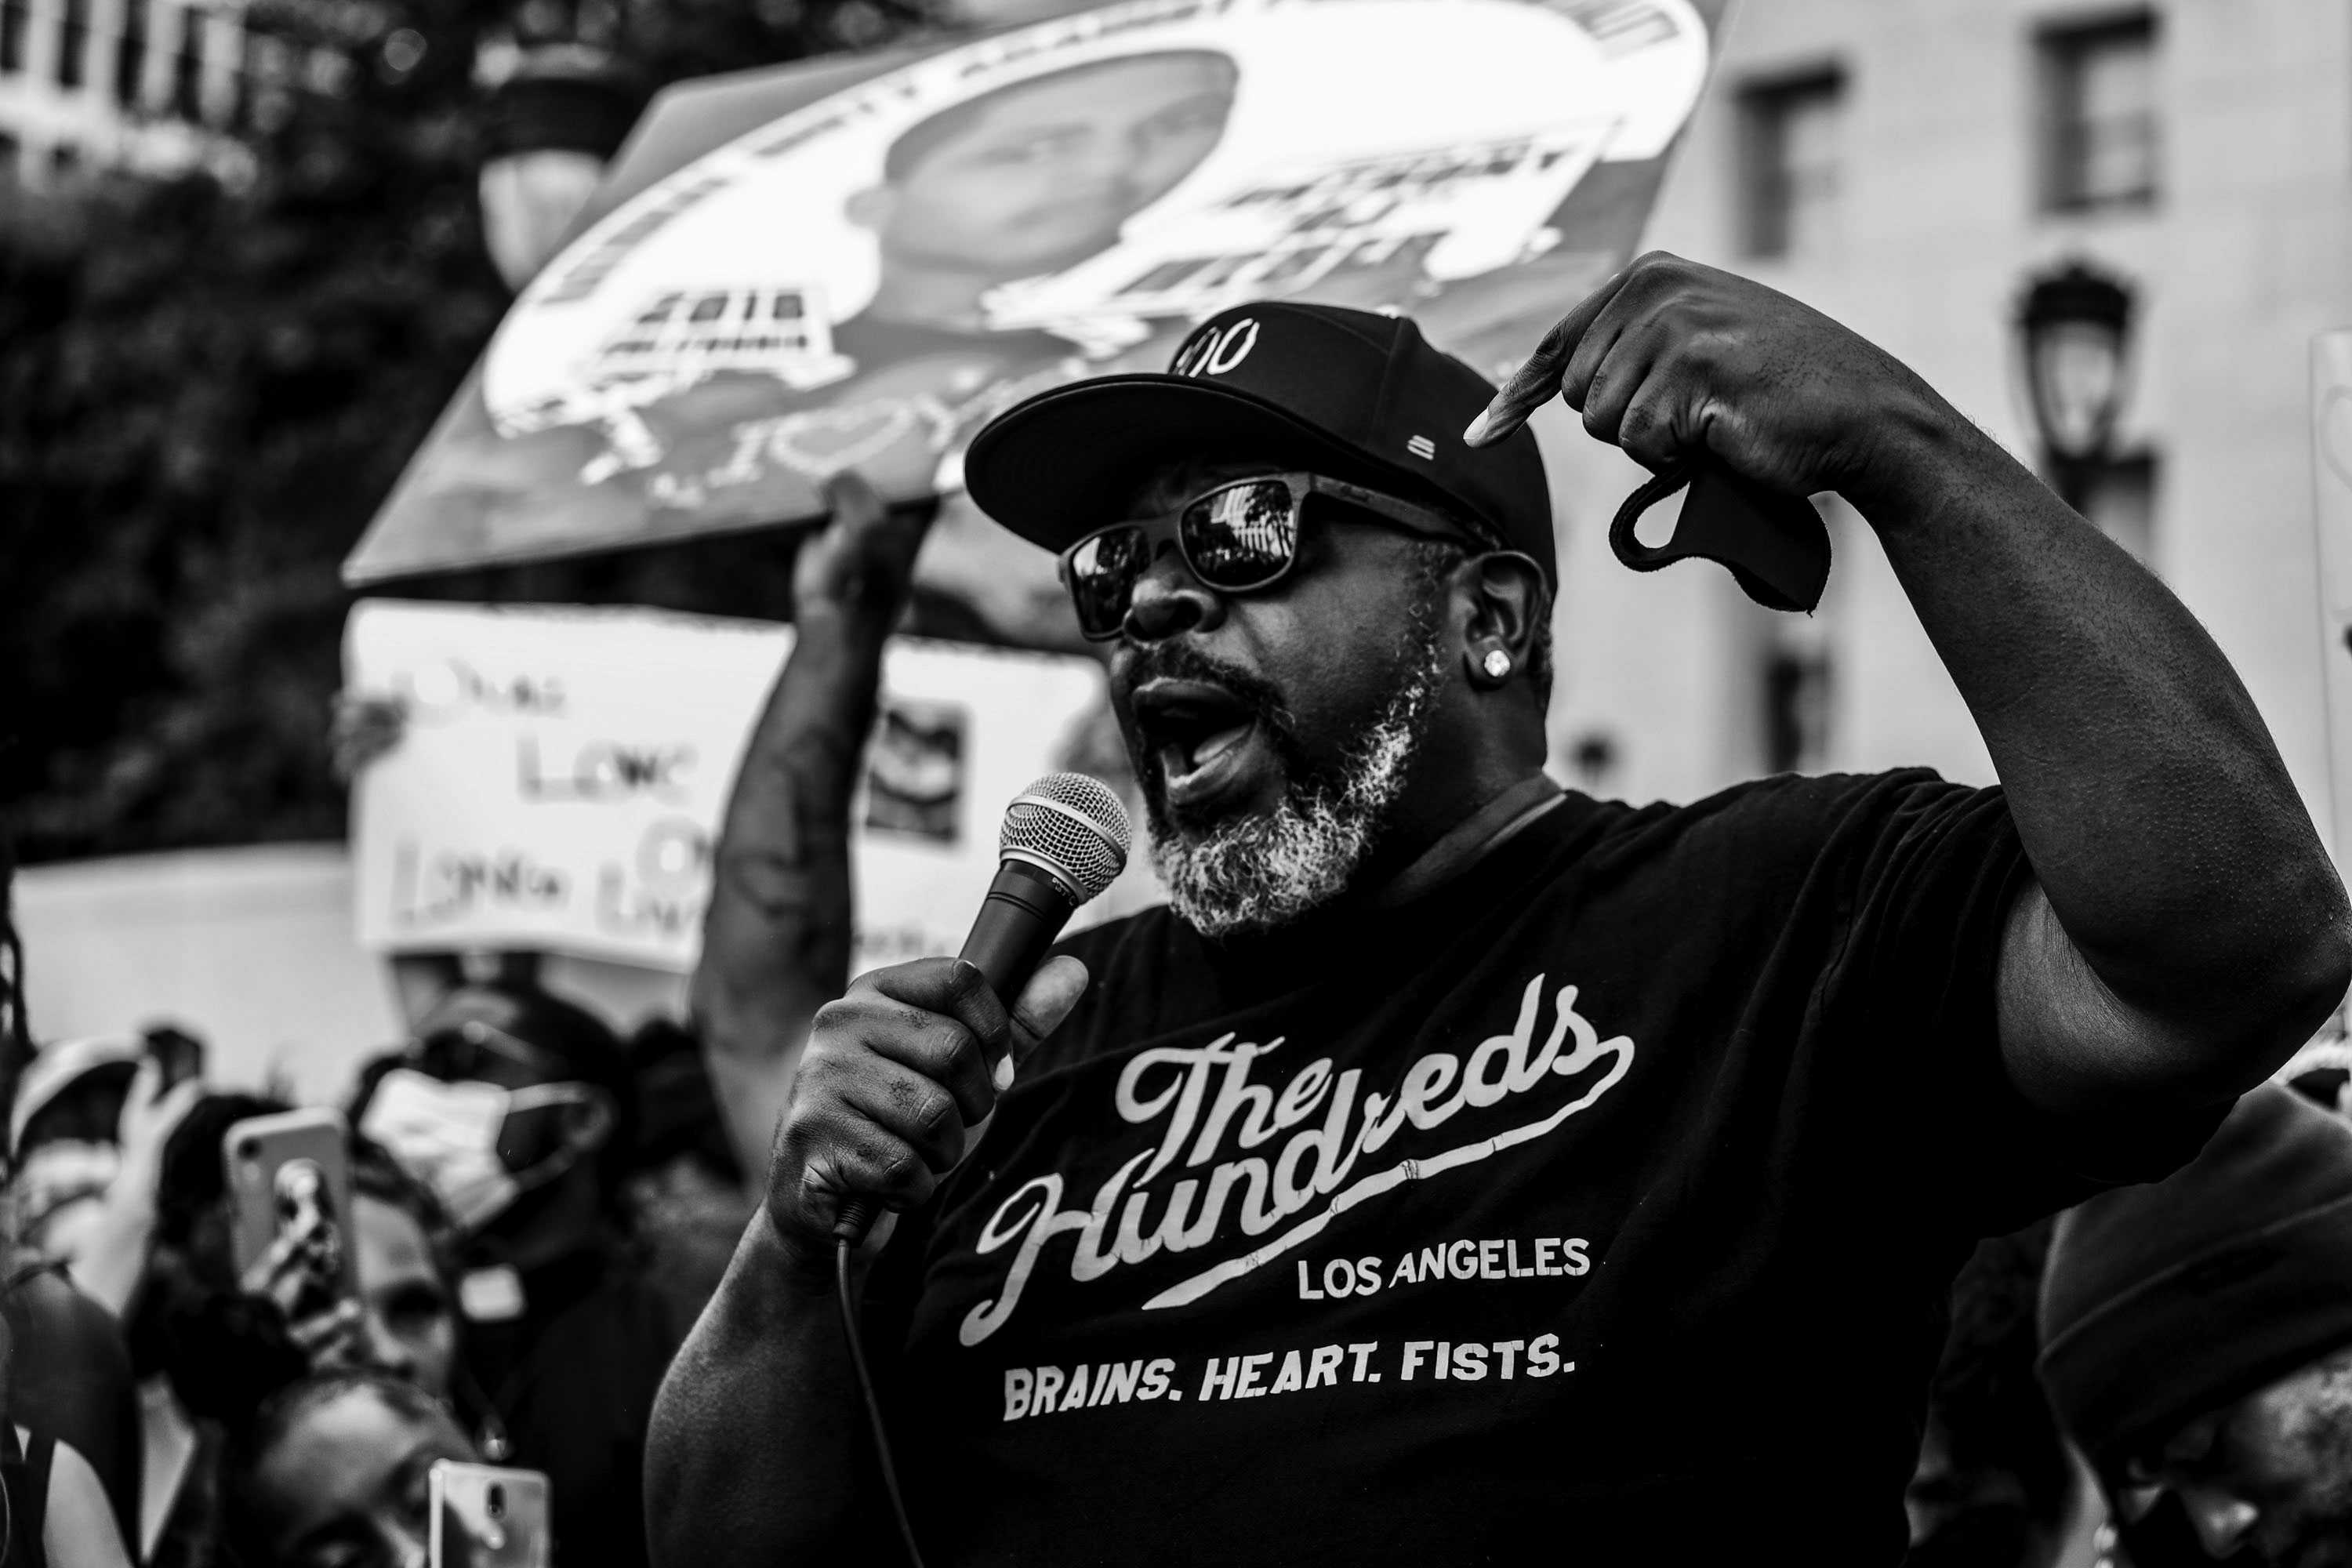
column 901, row 1073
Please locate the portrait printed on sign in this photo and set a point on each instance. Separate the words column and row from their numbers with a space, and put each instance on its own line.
column 865, row 280
column 913, row 770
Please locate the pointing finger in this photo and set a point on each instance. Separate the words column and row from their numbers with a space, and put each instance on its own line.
column 1539, row 380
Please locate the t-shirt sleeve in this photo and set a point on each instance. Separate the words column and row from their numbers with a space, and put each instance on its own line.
column 1934, row 870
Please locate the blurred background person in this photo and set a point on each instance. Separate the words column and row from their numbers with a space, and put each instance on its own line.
column 409, row 1324
column 158, row 1253
column 329, row 1471
column 185, row 1283
column 518, row 1109
column 69, row 1449
column 682, row 1187
column 63, row 1136
column 1995, row 1487
column 70, row 1457
column 2197, row 1345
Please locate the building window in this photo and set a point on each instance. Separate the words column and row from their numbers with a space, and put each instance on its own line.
column 1797, row 705
column 2100, row 128
column 14, row 15
column 187, row 94
column 130, row 54
column 2120, row 496
column 73, row 37
column 1792, row 164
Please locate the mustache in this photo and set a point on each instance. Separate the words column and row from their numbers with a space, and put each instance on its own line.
column 1173, row 661
column 1176, row 661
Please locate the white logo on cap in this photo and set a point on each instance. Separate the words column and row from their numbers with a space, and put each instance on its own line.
column 1218, row 350
column 1422, row 447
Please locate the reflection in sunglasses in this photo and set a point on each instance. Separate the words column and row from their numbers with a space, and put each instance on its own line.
column 1242, row 532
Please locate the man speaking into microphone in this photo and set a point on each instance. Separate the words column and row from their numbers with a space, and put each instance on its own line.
column 1460, row 1169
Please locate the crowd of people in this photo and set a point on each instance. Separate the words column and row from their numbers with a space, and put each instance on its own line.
column 539, row 1211
column 515, row 1298
column 537, row 1206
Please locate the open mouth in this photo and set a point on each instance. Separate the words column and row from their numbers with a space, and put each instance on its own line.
column 1204, row 738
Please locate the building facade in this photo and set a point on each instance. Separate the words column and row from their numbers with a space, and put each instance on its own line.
column 157, row 86
column 1907, row 167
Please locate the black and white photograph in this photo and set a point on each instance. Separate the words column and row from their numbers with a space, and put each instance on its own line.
column 1256, row 783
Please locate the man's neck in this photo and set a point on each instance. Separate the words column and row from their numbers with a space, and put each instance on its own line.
column 1473, row 838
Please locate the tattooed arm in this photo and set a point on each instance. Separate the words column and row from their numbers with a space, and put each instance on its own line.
column 776, row 936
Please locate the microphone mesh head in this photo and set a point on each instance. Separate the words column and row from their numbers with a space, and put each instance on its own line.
column 1074, row 824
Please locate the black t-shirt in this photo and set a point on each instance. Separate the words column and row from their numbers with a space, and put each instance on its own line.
column 1600, row 1205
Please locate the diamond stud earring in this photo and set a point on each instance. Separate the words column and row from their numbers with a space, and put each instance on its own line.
column 1498, row 664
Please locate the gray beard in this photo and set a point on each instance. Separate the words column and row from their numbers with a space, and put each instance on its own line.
column 1261, row 873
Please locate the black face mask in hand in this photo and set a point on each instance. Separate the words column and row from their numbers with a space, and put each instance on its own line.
column 1776, row 545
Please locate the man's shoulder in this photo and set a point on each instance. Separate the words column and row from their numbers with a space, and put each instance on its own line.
column 1815, row 793
column 1790, row 814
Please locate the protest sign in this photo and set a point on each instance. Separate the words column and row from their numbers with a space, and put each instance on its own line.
column 857, row 264
column 562, row 773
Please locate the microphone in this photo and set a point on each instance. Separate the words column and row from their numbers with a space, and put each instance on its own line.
column 1065, row 840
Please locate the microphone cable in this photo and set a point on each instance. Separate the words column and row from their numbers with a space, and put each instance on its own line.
column 855, row 1217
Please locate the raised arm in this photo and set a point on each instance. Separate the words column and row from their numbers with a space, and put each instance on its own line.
column 776, row 936
column 2187, row 931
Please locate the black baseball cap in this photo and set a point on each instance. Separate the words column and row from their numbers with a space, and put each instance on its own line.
column 1352, row 395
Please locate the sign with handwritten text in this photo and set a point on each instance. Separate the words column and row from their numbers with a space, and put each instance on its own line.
column 561, row 774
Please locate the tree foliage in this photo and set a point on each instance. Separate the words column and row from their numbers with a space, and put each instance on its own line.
column 206, row 389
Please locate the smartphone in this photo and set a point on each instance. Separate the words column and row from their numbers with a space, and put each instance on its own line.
column 487, row 1516
column 290, row 1175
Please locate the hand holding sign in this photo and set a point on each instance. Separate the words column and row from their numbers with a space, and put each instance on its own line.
column 863, row 560
column 1676, row 362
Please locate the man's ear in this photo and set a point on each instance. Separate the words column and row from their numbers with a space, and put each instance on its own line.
column 869, row 209
column 1508, row 604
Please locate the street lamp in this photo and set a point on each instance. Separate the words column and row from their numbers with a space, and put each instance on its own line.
column 2075, row 327
column 558, row 112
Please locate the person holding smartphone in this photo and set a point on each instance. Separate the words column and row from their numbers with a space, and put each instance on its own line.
column 333, row 1470
column 515, row 1107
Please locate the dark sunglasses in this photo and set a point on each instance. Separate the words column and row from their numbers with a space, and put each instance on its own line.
column 1238, row 538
